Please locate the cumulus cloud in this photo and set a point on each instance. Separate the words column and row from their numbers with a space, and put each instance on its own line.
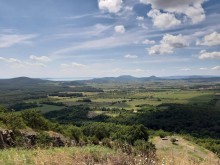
column 139, row 18
column 40, row 58
column 112, row 6
column 163, row 20
column 160, row 49
column 168, row 43
column 210, row 39
column 177, row 41
column 130, row 56
column 191, row 9
column 148, row 42
column 216, row 68
column 209, row 55
column 119, row 29
column 8, row 40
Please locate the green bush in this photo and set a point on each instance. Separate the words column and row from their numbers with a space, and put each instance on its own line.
column 43, row 139
column 35, row 120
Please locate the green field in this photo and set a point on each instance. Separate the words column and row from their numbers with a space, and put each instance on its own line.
column 135, row 100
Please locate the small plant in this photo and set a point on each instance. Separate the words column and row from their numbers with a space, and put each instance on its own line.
column 43, row 139
column 162, row 134
column 94, row 140
column 173, row 140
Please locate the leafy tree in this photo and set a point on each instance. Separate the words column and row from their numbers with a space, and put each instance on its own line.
column 35, row 120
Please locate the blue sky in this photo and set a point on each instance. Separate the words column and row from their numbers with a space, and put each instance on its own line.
column 96, row 38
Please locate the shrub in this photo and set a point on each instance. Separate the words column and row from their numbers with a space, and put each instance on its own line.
column 35, row 120
column 43, row 139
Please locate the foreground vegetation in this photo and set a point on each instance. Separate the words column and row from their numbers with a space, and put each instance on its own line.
column 101, row 155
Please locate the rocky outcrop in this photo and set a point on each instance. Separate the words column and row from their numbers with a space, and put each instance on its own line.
column 58, row 140
column 7, row 138
column 28, row 138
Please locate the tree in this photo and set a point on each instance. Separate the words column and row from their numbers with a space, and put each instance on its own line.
column 35, row 120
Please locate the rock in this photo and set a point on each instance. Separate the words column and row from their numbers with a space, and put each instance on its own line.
column 58, row 140
column 7, row 138
column 29, row 136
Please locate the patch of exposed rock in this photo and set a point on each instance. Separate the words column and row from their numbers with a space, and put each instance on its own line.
column 7, row 138
column 58, row 140
column 28, row 138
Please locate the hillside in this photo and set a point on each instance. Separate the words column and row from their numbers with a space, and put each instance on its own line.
column 183, row 152
column 24, row 88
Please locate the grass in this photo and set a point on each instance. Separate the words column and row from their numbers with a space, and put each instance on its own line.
column 53, row 156
column 47, row 108
column 184, row 153
column 135, row 99
column 168, row 154
column 88, row 155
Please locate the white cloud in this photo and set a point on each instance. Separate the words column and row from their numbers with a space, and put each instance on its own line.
column 101, row 43
column 40, row 58
column 177, row 41
column 160, row 49
column 185, row 69
column 139, row 70
column 168, row 43
column 209, row 55
column 128, row 8
column 65, row 65
column 8, row 40
column 130, row 56
column 73, row 64
column 147, row 42
column 78, row 65
column 112, row 6
column 139, row 18
column 119, row 29
column 18, row 63
column 195, row 13
column 10, row 60
column 163, row 20
column 192, row 9
column 216, row 68
column 143, row 26
column 203, row 68
column 210, row 40
column 36, row 64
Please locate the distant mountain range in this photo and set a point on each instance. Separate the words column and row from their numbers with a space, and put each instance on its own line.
column 131, row 79
column 121, row 79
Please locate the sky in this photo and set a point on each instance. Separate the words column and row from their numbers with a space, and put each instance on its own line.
column 102, row 38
